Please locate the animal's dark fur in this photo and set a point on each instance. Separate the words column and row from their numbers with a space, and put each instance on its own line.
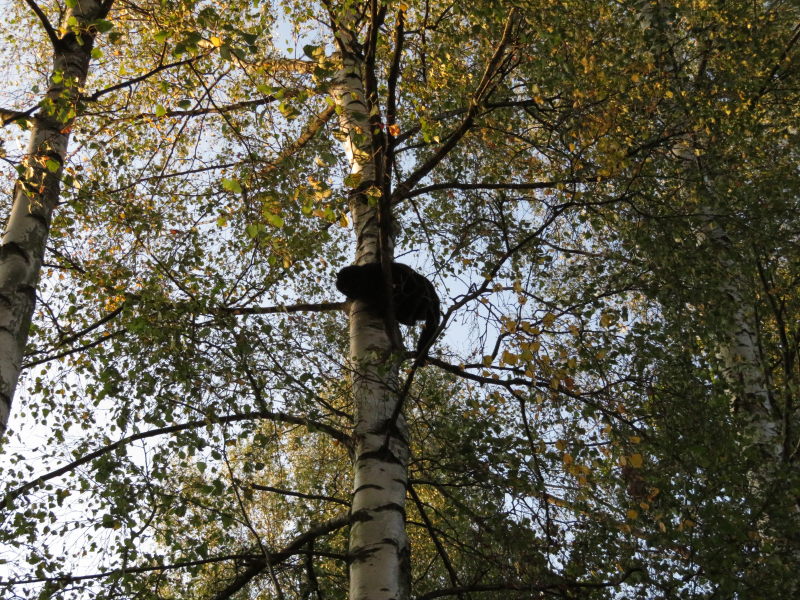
column 414, row 297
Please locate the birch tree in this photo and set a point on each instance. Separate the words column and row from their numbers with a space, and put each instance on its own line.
column 36, row 192
column 604, row 197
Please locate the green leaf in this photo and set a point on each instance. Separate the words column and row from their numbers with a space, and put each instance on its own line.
column 160, row 111
column 311, row 50
column 232, row 186
column 274, row 220
column 103, row 26
column 353, row 180
column 161, row 36
column 288, row 110
column 52, row 165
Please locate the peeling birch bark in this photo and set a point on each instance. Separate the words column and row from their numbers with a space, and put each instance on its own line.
column 36, row 193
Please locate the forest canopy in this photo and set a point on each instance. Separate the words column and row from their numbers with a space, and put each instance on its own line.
column 604, row 197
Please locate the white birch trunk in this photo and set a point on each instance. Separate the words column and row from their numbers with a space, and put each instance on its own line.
column 738, row 351
column 379, row 550
column 36, row 195
column 741, row 366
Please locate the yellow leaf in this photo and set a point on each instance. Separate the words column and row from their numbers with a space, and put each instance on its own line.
column 217, row 42
column 635, row 460
column 509, row 358
column 633, row 514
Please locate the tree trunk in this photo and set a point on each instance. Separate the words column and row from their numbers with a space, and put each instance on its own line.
column 36, row 192
column 741, row 366
column 737, row 349
column 379, row 550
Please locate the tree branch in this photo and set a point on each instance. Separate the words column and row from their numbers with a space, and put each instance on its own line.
column 440, row 549
column 86, row 346
column 294, row 547
column 482, row 91
column 528, row 587
column 455, row 185
column 124, row 570
column 311, row 129
column 266, row 310
column 267, row 488
column 8, row 116
column 54, row 39
column 88, row 329
column 130, row 82
column 257, row 561
column 261, row 414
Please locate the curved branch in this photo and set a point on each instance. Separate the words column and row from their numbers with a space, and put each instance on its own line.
column 257, row 561
column 88, row 329
column 8, row 116
column 86, row 346
column 126, row 570
column 294, row 547
column 482, row 91
column 267, row 488
column 54, row 39
column 455, row 185
column 261, row 414
column 266, row 310
column 528, row 587
column 130, row 82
